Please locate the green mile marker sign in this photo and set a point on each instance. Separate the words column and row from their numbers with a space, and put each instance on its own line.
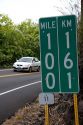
column 58, row 48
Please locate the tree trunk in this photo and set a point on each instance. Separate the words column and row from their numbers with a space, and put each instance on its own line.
column 81, row 9
column 81, row 33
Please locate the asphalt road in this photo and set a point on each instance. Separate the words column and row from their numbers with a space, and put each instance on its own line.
column 17, row 89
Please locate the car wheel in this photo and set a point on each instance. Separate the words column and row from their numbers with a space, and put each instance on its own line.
column 14, row 70
column 38, row 69
column 30, row 69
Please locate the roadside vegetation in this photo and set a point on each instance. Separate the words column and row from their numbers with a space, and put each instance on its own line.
column 34, row 114
column 17, row 40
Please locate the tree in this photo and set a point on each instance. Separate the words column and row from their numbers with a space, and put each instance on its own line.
column 17, row 40
column 31, row 35
column 81, row 32
column 67, row 7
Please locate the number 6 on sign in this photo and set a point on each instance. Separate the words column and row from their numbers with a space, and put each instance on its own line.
column 66, row 60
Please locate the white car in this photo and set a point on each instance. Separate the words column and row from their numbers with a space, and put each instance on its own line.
column 27, row 64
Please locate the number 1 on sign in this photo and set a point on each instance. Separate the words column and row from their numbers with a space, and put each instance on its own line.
column 69, row 79
column 67, row 37
column 49, row 42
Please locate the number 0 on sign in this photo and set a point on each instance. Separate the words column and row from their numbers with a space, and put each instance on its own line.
column 58, row 46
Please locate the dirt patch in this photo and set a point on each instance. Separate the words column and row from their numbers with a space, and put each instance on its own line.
column 33, row 114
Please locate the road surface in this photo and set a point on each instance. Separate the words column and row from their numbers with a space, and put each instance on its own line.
column 17, row 89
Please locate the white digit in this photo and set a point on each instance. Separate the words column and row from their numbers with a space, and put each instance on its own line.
column 52, row 61
column 69, row 79
column 67, row 37
column 53, row 80
column 66, row 60
column 46, row 98
column 49, row 41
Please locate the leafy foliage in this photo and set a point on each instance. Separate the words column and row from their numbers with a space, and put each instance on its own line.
column 17, row 40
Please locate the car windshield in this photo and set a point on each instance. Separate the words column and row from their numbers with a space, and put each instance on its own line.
column 25, row 60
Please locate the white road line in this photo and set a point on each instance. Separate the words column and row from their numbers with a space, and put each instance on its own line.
column 11, row 90
column 2, row 76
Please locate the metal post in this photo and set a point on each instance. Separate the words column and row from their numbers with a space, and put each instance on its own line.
column 46, row 115
column 76, row 110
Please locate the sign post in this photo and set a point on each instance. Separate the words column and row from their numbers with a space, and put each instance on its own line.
column 76, row 109
column 59, row 62
column 46, row 99
column 46, row 115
